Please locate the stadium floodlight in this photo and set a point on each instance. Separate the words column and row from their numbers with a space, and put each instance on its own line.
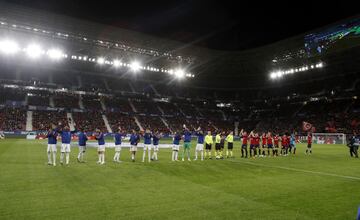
column 135, row 66
column 100, row 60
column 9, row 47
column 319, row 65
column 55, row 54
column 116, row 63
column 179, row 73
column 273, row 75
column 34, row 51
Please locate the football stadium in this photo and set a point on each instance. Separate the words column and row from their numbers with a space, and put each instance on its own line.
column 101, row 120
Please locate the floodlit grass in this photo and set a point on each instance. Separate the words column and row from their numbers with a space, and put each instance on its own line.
column 324, row 185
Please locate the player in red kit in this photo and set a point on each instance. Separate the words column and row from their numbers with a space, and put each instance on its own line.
column 244, row 151
column 309, row 143
column 252, row 143
column 263, row 145
column 276, row 145
column 284, row 143
column 257, row 144
column 269, row 141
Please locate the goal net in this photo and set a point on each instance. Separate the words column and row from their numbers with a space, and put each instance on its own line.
column 329, row 138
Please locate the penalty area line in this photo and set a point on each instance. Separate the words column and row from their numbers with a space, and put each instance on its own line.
column 298, row 170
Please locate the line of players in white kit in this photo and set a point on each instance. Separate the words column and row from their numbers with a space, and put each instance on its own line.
column 150, row 145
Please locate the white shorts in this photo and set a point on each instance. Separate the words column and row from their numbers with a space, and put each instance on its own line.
column 176, row 147
column 156, row 147
column 133, row 148
column 82, row 148
column 199, row 147
column 147, row 146
column 65, row 148
column 118, row 148
column 51, row 148
column 101, row 148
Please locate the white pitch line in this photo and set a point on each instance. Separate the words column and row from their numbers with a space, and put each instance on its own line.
column 299, row 170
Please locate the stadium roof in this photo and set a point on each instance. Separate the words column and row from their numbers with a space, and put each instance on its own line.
column 213, row 68
column 214, row 24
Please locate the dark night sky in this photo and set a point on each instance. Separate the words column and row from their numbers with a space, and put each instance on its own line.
column 214, row 24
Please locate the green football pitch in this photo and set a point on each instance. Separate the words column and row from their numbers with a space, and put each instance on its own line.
column 325, row 185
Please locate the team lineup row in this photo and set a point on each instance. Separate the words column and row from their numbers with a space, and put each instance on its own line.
column 269, row 143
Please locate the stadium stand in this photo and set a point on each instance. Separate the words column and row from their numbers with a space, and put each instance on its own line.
column 91, row 102
column 42, row 119
column 153, row 123
column 66, row 100
column 89, row 121
column 146, row 107
column 11, row 94
column 121, row 120
column 12, row 119
column 38, row 98
column 117, row 103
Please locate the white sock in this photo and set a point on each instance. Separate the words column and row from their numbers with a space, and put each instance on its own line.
column 202, row 155
column 79, row 155
column 62, row 157
column 176, row 155
column 67, row 157
column 132, row 156
column 155, row 156
column 117, row 156
column 149, row 155
column 173, row 155
column 99, row 158
column 82, row 156
column 49, row 157
column 54, row 157
column 196, row 153
column 144, row 155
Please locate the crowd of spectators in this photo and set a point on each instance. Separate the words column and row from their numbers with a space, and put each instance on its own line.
column 11, row 94
column 42, row 120
column 66, row 100
column 91, row 102
column 120, row 104
column 121, row 120
column 12, row 119
column 146, row 107
column 89, row 120
column 153, row 123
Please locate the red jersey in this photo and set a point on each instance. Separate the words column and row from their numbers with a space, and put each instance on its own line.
column 245, row 139
column 284, row 140
column 263, row 138
column 276, row 140
column 257, row 140
column 269, row 140
column 309, row 139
